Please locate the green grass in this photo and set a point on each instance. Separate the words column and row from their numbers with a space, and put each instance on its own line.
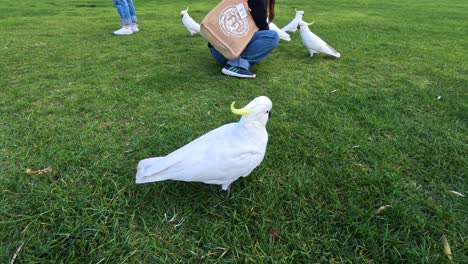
column 347, row 136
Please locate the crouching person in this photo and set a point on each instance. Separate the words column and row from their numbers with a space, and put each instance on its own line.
column 263, row 42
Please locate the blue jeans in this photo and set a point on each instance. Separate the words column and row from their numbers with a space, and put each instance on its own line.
column 126, row 11
column 262, row 43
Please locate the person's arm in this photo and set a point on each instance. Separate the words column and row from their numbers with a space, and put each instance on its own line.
column 259, row 13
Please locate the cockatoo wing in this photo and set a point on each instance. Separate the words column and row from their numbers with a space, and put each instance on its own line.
column 192, row 26
column 292, row 26
column 219, row 157
column 330, row 51
column 282, row 34
column 314, row 42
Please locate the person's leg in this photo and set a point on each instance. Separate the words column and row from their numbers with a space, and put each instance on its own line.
column 229, row 69
column 122, row 9
column 131, row 10
column 263, row 43
column 133, row 16
column 218, row 56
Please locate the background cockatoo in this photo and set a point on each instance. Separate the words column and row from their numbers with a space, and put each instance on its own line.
column 192, row 26
column 313, row 42
column 220, row 156
column 292, row 26
column 282, row 34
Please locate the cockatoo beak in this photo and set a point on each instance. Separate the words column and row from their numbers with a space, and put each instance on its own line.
column 240, row 111
column 269, row 114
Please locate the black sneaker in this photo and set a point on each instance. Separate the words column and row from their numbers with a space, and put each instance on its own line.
column 237, row 72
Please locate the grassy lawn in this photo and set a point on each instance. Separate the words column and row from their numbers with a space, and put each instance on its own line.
column 386, row 124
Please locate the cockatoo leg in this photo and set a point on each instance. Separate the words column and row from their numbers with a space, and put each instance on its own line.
column 228, row 192
column 227, row 189
column 311, row 53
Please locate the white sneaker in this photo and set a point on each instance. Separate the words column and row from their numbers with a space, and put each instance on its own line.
column 134, row 28
column 123, row 31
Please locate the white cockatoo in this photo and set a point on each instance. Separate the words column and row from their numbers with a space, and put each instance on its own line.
column 220, row 156
column 282, row 34
column 292, row 26
column 313, row 42
column 192, row 26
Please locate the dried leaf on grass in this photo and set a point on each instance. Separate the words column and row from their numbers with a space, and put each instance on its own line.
column 37, row 172
column 383, row 208
column 275, row 235
column 363, row 251
column 16, row 254
column 447, row 249
column 457, row 193
column 40, row 44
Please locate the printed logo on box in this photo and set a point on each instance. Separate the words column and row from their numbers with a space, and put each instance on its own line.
column 233, row 21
